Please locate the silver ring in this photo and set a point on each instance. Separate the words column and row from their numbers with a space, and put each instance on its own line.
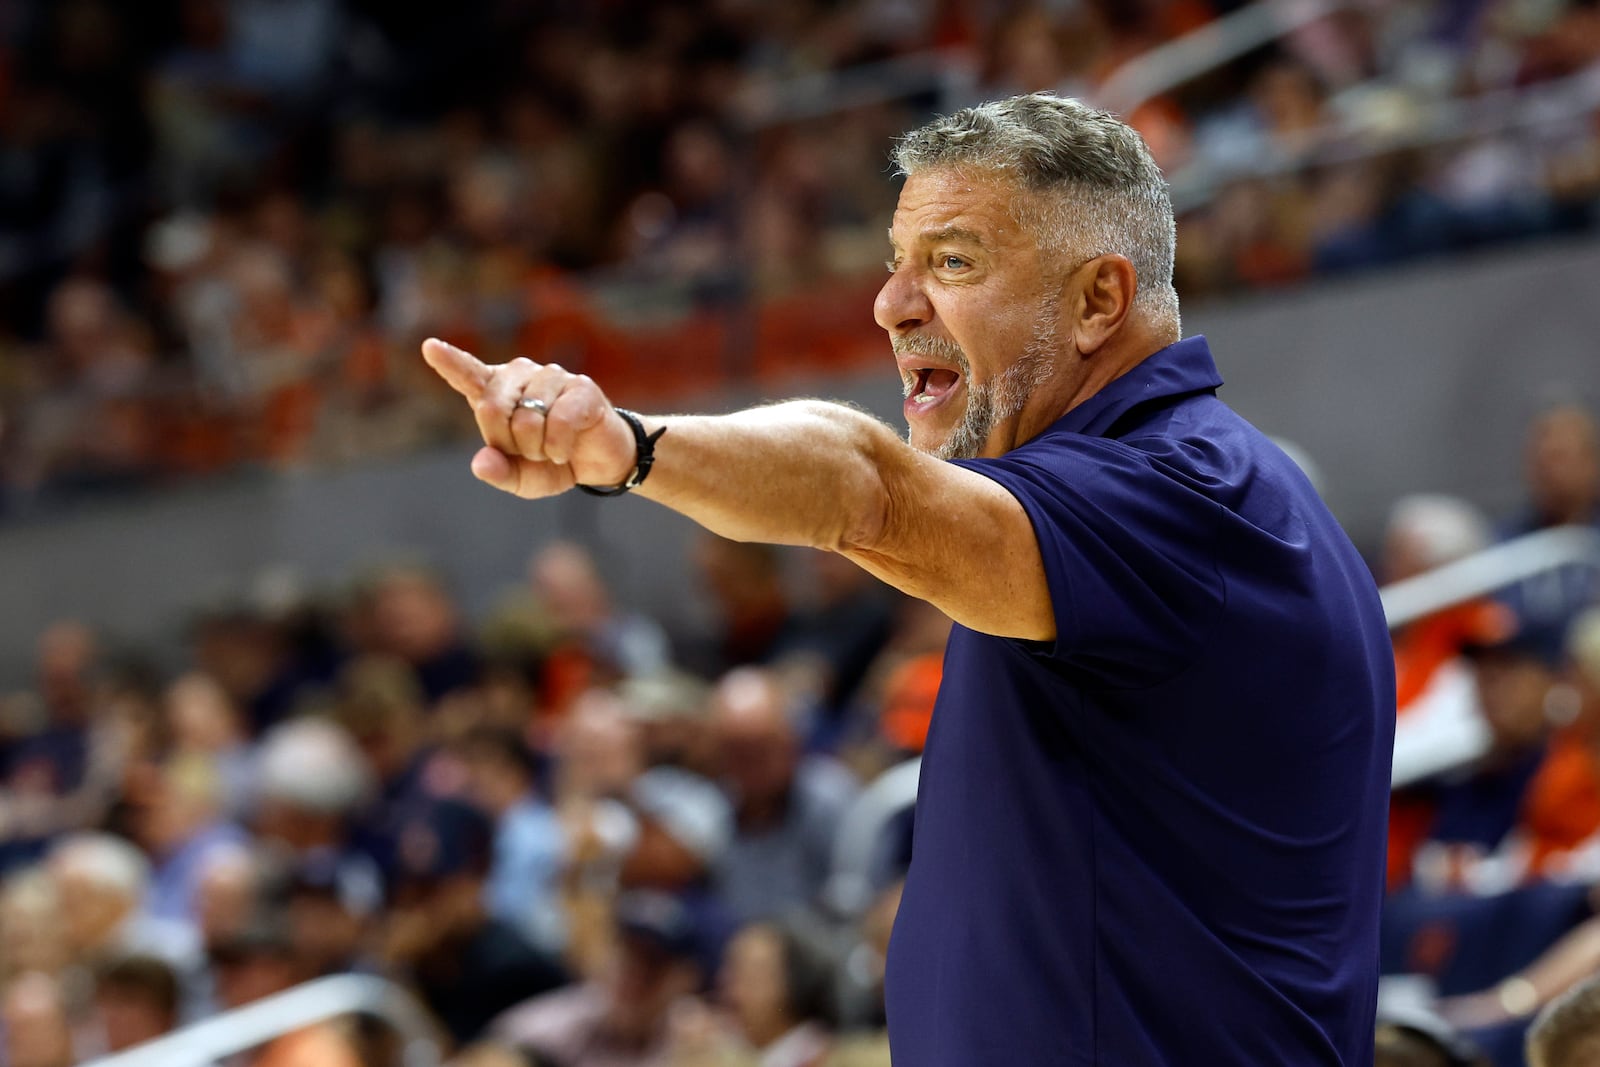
column 533, row 403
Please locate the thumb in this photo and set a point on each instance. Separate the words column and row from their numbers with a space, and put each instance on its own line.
column 461, row 370
column 494, row 467
column 529, row 479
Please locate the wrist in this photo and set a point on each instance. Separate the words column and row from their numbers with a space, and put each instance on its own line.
column 644, row 440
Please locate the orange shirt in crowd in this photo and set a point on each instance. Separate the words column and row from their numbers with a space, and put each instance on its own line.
column 1562, row 807
column 1420, row 649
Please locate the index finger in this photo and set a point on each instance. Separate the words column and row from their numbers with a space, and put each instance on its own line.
column 461, row 370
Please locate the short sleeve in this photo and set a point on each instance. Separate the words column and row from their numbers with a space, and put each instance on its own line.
column 1129, row 549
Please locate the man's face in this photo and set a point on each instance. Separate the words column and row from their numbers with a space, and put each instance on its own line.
column 971, row 307
column 642, row 985
column 1563, row 464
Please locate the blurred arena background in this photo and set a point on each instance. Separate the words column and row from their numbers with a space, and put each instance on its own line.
column 286, row 695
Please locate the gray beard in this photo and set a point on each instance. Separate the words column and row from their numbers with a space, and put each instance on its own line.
column 994, row 402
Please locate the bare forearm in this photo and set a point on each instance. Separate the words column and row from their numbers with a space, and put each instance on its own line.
column 804, row 472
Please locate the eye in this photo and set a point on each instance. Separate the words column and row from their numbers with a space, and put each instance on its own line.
column 952, row 262
column 891, row 265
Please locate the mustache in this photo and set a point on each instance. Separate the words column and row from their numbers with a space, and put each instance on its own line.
column 919, row 344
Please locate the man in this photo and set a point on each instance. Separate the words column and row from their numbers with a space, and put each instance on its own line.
column 1561, row 466
column 621, row 1018
column 1151, row 823
column 136, row 999
column 177, row 817
column 34, row 1028
column 787, row 806
column 102, row 881
column 259, row 961
column 529, row 846
column 465, row 965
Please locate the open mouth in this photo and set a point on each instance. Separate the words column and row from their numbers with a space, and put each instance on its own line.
column 929, row 386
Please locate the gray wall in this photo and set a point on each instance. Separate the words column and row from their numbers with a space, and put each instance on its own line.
column 1394, row 383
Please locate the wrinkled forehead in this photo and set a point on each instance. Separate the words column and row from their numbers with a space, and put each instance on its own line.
column 982, row 208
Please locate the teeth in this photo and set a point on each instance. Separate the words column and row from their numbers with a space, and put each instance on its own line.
column 923, row 399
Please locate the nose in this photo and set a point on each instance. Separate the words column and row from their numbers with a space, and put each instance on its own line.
column 902, row 304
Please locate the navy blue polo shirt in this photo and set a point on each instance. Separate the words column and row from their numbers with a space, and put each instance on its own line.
column 1158, row 840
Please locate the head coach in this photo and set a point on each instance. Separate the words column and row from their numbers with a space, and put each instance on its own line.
column 1150, row 828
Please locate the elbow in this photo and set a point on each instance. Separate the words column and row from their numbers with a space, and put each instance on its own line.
column 867, row 515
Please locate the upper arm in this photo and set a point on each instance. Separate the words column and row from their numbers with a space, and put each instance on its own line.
column 1089, row 545
column 963, row 543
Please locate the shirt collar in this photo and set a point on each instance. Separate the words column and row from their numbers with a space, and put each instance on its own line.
column 1176, row 370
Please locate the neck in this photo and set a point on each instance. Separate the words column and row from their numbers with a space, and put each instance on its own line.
column 1085, row 375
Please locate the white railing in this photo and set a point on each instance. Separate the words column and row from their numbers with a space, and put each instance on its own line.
column 1208, row 47
column 207, row 1042
column 855, row 852
column 1494, row 568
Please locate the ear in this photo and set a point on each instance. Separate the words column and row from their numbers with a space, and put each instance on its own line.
column 1105, row 287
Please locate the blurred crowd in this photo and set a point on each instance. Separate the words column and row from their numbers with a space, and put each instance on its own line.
column 576, row 840
column 226, row 224
column 583, row 841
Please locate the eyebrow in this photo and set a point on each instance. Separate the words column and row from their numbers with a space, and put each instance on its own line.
column 945, row 233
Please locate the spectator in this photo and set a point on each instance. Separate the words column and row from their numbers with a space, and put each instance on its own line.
column 259, row 961
column 620, row 1019
column 568, row 586
column 776, row 983
column 135, row 1000
column 102, row 881
column 788, row 806
column 745, row 582
column 311, row 786
column 33, row 1020
column 382, row 707
column 246, row 654
column 1475, row 815
column 670, row 710
column 178, row 820
column 682, row 826
column 202, row 720
column 1441, row 727
column 861, row 987
column 53, row 761
column 529, row 847
column 1562, row 471
column 231, row 891
column 331, row 917
column 32, row 930
column 415, row 621
column 467, row 965
column 844, row 628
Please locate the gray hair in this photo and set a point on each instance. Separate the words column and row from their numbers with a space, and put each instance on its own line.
column 108, row 861
column 1445, row 528
column 1098, row 190
column 312, row 764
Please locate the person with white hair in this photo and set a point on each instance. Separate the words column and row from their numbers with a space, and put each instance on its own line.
column 102, row 880
column 1440, row 726
column 35, row 1030
column 312, row 782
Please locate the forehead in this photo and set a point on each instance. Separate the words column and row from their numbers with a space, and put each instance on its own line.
column 948, row 203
